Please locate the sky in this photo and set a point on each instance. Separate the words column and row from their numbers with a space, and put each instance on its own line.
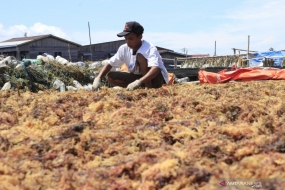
column 179, row 25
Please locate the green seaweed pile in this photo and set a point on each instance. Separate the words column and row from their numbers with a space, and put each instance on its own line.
column 41, row 77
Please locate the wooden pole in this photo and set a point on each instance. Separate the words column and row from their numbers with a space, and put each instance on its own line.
column 248, row 41
column 215, row 48
column 18, row 53
column 69, row 53
column 90, row 42
column 175, row 62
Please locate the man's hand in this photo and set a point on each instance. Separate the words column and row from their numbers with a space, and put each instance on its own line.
column 96, row 83
column 134, row 85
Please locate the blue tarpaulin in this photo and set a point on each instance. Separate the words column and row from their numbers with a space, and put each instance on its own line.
column 277, row 57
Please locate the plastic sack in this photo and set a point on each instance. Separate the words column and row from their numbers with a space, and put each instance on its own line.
column 95, row 65
column 77, row 84
column 58, row 84
column 6, row 86
column 40, row 57
column 182, row 80
column 50, row 57
column 104, row 62
column 87, row 87
column 6, row 61
column 70, row 88
column 2, row 64
column 81, row 64
column 61, row 60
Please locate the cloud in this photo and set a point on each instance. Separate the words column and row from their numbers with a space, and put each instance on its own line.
column 36, row 29
column 258, row 10
column 261, row 20
column 258, row 18
column 198, row 42
column 39, row 28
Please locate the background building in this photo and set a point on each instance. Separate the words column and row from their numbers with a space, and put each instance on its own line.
column 31, row 47
column 100, row 51
column 106, row 50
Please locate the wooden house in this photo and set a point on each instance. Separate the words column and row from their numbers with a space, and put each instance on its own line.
column 100, row 51
column 32, row 46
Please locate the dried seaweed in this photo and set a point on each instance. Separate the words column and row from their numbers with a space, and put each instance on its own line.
column 175, row 137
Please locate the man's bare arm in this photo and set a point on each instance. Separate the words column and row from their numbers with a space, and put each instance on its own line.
column 147, row 73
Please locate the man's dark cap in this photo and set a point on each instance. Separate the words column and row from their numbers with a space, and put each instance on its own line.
column 132, row 26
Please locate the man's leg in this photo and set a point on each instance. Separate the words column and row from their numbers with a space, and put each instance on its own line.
column 158, row 81
column 121, row 79
column 117, row 82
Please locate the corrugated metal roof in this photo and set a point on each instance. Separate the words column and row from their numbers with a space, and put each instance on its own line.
column 12, row 43
column 123, row 41
column 162, row 48
column 25, row 38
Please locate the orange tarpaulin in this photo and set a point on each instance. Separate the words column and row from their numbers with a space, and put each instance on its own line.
column 243, row 74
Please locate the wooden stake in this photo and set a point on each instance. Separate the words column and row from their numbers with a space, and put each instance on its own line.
column 69, row 53
column 90, row 42
column 248, row 41
column 215, row 49
column 175, row 62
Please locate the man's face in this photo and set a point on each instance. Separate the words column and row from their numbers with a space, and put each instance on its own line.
column 133, row 41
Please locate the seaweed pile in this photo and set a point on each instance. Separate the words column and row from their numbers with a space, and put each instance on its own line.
column 176, row 137
column 221, row 61
column 24, row 75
